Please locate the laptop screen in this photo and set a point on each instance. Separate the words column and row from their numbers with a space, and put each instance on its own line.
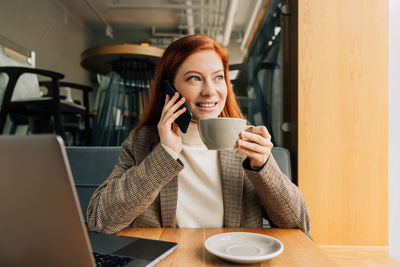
column 41, row 220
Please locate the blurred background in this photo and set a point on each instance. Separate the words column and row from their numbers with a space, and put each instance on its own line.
column 54, row 35
column 322, row 76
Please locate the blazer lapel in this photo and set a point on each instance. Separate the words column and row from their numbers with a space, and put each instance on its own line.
column 168, row 200
column 232, row 175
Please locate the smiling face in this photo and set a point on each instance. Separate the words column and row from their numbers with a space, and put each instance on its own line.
column 200, row 79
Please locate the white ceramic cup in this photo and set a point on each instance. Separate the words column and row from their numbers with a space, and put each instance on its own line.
column 221, row 133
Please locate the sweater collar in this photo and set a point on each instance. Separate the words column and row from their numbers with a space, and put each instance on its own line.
column 192, row 137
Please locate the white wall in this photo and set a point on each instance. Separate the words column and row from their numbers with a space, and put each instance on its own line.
column 47, row 28
column 394, row 128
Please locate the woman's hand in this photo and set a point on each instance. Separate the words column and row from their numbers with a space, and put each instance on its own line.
column 167, row 128
column 256, row 144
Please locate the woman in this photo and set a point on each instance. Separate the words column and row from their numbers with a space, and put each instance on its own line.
column 165, row 178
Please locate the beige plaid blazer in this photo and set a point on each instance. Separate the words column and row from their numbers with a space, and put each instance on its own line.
column 142, row 190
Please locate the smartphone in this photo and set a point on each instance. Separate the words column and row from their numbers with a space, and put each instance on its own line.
column 184, row 119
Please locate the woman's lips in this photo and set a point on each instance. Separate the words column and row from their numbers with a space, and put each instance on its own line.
column 206, row 105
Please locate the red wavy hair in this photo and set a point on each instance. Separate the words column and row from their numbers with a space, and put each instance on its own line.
column 172, row 59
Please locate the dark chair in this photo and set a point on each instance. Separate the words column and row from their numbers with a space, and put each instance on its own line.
column 90, row 167
column 32, row 106
column 282, row 158
column 71, row 122
column 43, row 108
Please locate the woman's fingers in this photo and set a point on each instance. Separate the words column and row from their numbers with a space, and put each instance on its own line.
column 175, row 115
column 253, row 146
column 171, row 101
column 256, row 144
column 168, row 130
column 256, row 159
column 259, row 130
column 259, row 156
column 170, row 108
column 259, row 136
column 168, row 103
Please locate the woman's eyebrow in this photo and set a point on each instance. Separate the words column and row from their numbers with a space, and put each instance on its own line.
column 198, row 72
column 220, row 70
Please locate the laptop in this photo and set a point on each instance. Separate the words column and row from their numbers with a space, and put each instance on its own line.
column 40, row 218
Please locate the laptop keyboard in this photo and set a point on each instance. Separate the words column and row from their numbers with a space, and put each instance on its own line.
column 103, row 260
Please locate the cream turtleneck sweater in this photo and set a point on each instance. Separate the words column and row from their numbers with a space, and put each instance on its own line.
column 200, row 202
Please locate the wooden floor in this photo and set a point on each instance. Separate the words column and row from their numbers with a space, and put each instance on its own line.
column 361, row 256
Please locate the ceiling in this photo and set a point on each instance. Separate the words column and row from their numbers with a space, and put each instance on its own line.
column 159, row 22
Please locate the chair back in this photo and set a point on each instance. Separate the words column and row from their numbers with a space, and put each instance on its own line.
column 282, row 158
column 27, row 85
column 90, row 167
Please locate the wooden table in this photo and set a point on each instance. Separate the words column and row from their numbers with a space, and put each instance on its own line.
column 299, row 250
column 100, row 59
column 135, row 66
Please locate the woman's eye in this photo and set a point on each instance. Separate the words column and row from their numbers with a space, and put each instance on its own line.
column 194, row 78
column 219, row 78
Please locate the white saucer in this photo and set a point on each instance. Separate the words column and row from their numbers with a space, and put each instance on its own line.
column 243, row 247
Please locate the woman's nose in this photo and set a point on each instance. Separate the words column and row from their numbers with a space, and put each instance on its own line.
column 207, row 89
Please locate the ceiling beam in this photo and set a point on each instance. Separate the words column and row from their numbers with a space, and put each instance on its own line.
column 229, row 22
column 256, row 24
column 189, row 17
column 109, row 30
column 249, row 29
